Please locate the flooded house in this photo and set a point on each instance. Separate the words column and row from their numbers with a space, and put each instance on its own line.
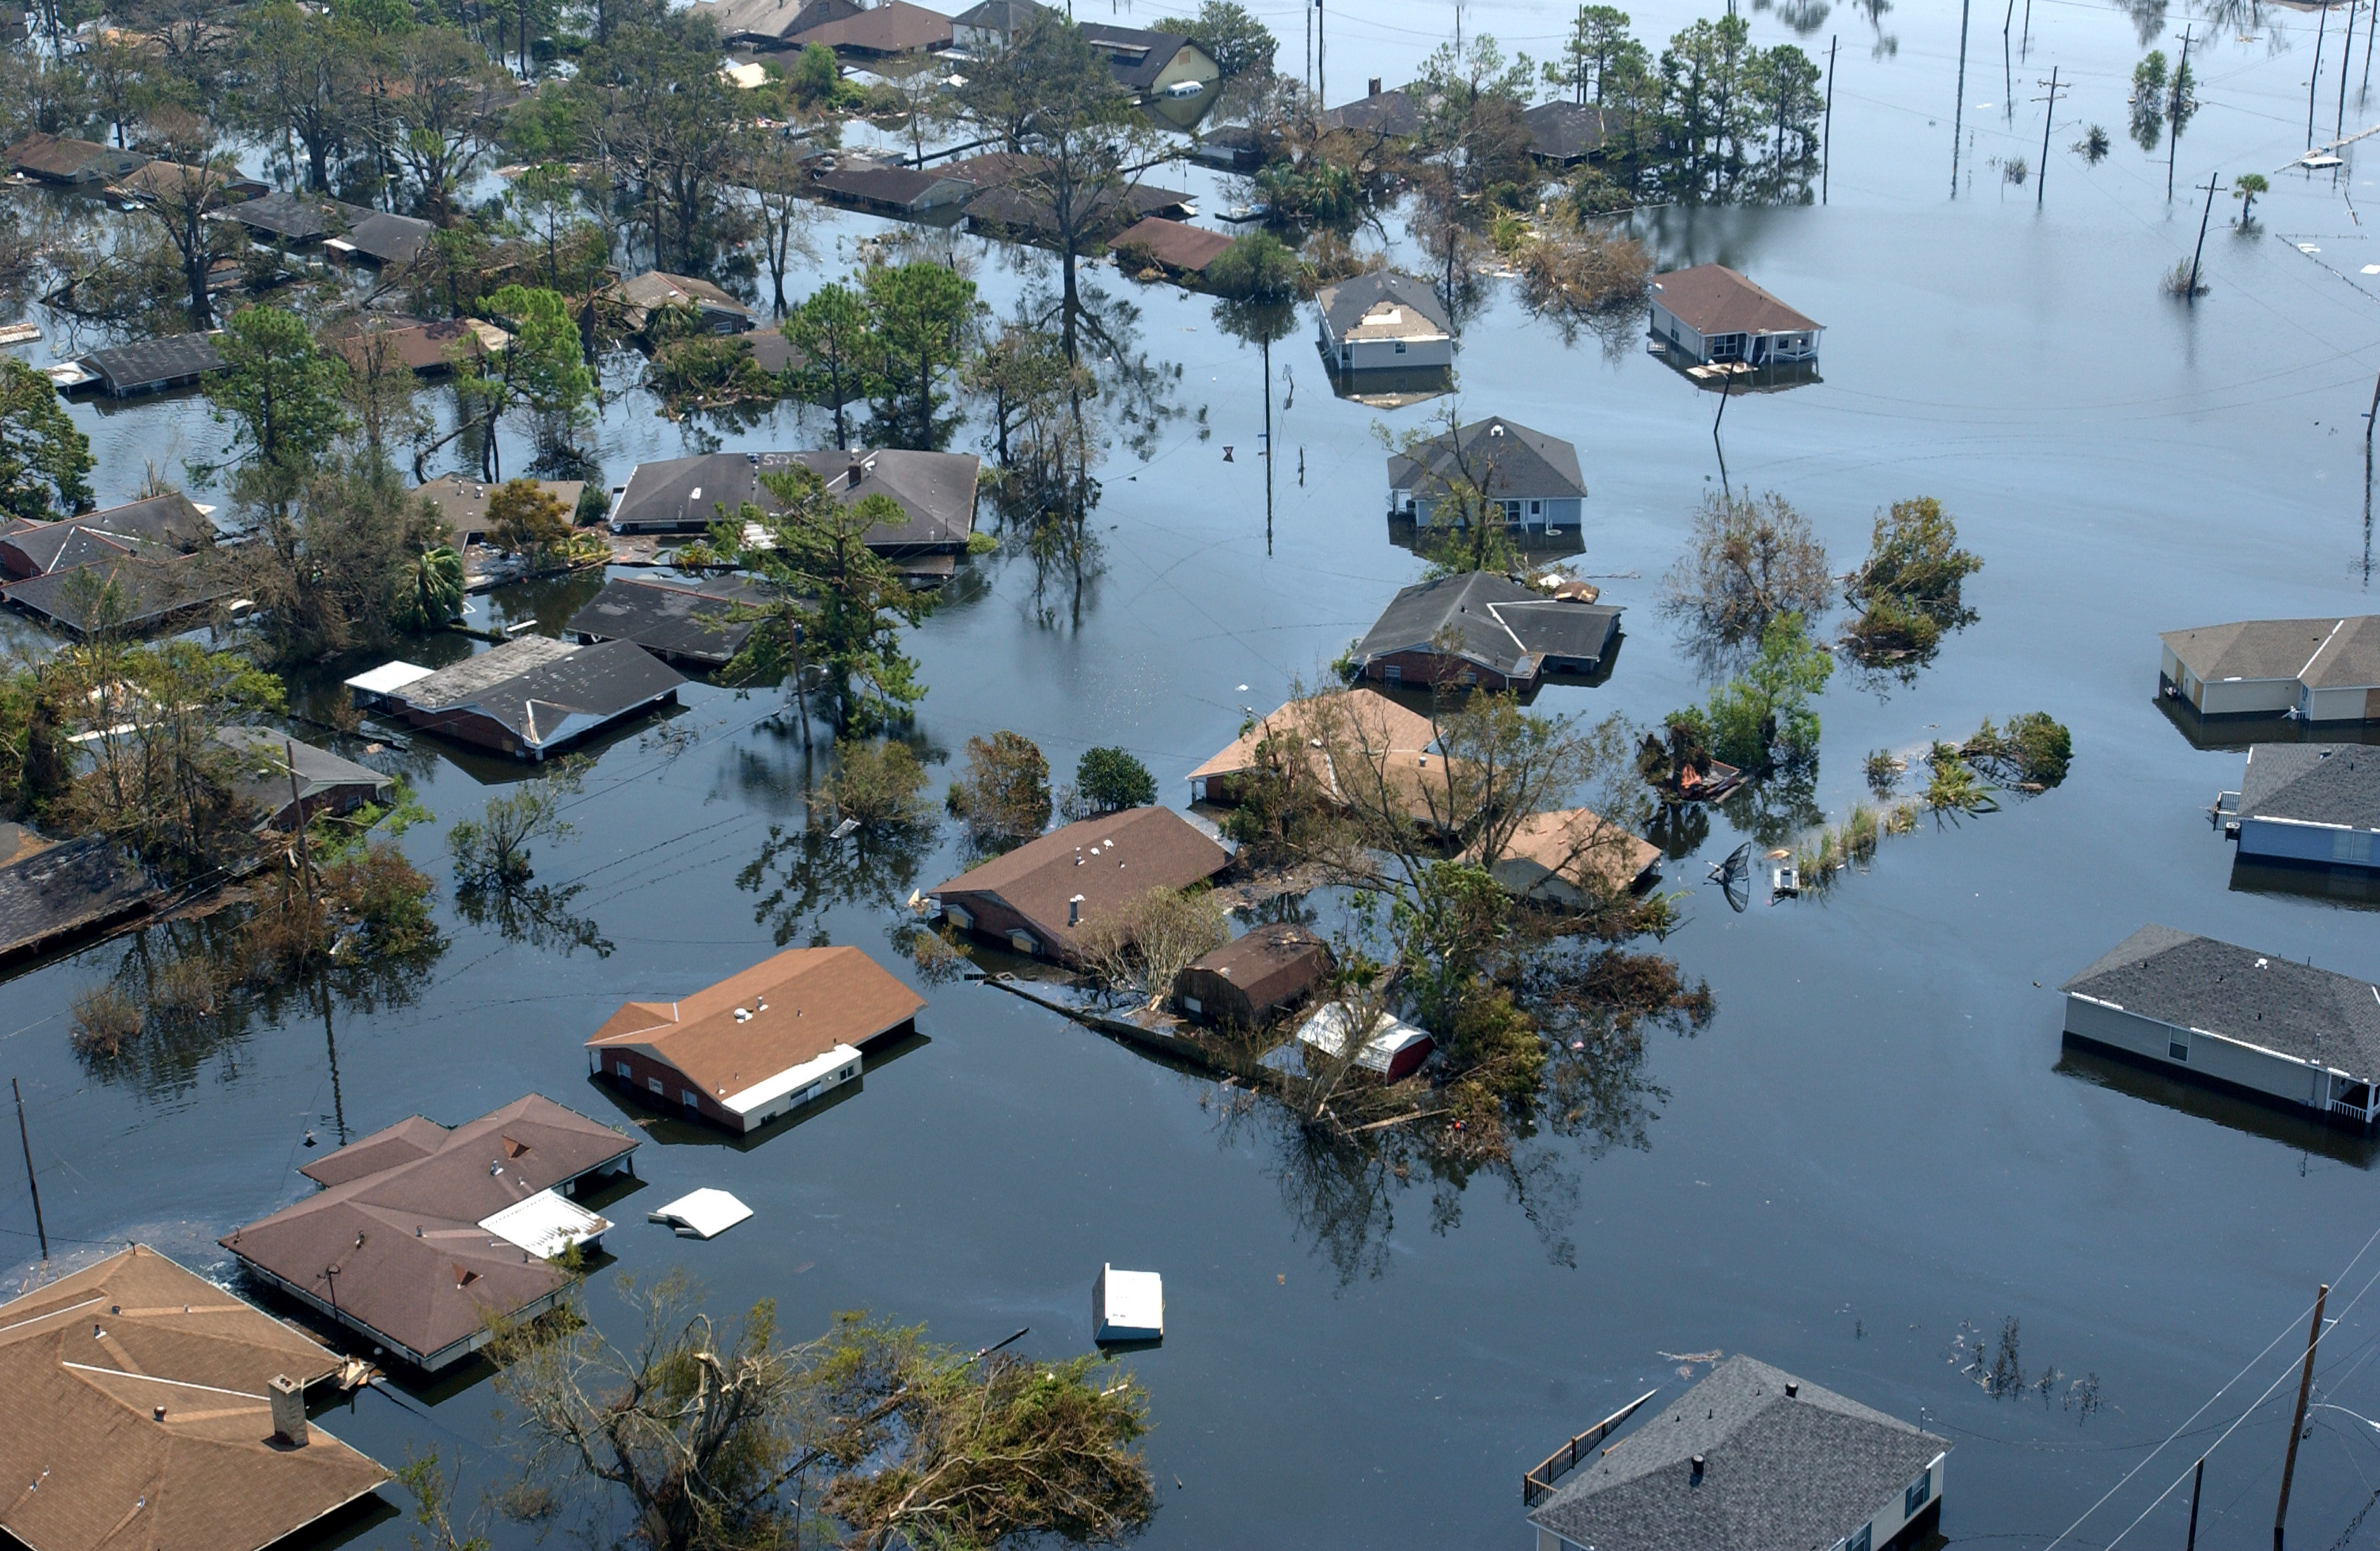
column 1044, row 897
column 1384, row 322
column 887, row 190
column 1155, row 67
column 1564, row 134
column 1392, row 114
column 171, row 523
column 462, row 502
column 290, row 782
column 293, row 219
column 692, row 625
column 757, row 1044
column 2311, row 670
column 71, row 163
column 639, row 297
column 1571, row 857
column 770, row 24
column 989, row 24
column 530, row 697
column 1713, row 315
column 2314, row 804
column 152, row 366
column 134, row 569
column 421, row 1231
column 425, row 346
column 935, row 493
column 888, row 30
column 1255, row 978
column 1529, row 478
column 1173, row 249
column 380, row 240
column 2252, row 1023
column 1360, row 720
column 1480, row 630
column 1392, row 1048
column 1750, row 1456
column 147, row 1406
column 62, row 893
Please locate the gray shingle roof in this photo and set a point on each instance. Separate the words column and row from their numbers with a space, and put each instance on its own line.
column 1780, row 1472
column 1135, row 56
column 1564, row 131
column 1509, row 460
column 2195, row 982
column 64, row 889
column 1344, row 303
column 1386, row 113
column 2314, row 783
column 1503, row 625
column 682, row 622
column 124, row 367
column 547, row 698
column 267, row 757
column 936, row 491
column 2251, row 648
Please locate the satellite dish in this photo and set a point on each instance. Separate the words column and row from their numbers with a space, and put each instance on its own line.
column 1734, row 877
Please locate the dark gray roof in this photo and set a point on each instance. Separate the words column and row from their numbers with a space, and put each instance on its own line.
column 1503, row 625
column 677, row 621
column 387, row 239
column 66, row 889
column 936, row 490
column 1780, row 1472
column 2312, row 783
column 1345, row 303
column 1386, row 113
column 772, row 351
column 177, row 357
column 2195, row 982
column 898, row 187
column 154, row 589
column 1508, row 459
column 296, row 216
column 1564, row 131
column 559, row 698
column 267, row 758
column 771, row 20
column 998, row 16
column 1138, row 57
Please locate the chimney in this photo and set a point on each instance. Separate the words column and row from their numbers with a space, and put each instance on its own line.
column 1697, row 1466
column 1376, row 87
column 1075, row 911
column 1792, row 1387
column 289, row 1398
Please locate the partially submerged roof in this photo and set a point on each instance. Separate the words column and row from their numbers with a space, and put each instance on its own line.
column 297, row 216
column 898, row 188
column 1175, row 244
column 133, row 592
column 891, row 27
column 668, row 618
column 2312, row 783
column 394, row 1237
column 65, row 889
column 2278, row 1004
column 417, row 344
column 87, row 1362
column 1107, row 860
column 1390, row 1036
column 64, row 160
column 1384, row 305
column 269, row 761
column 934, row 491
column 463, row 501
column 702, row 1214
column 732, row 1037
column 1784, row 1473
column 1395, row 112
column 1499, row 625
column 652, row 289
column 384, row 238
column 547, row 693
column 170, row 521
column 465, row 680
column 1562, row 131
column 771, row 21
column 1713, row 298
column 1503, row 459
column 147, row 361
column 1267, row 963
column 1575, row 844
column 1363, row 718
column 388, row 678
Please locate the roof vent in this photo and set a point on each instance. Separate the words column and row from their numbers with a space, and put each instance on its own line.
column 160, row 1413
column 1496, row 430
column 1075, row 911
column 1697, row 1466
column 1792, row 1388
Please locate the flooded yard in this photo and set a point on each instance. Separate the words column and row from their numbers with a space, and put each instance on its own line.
column 1875, row 1162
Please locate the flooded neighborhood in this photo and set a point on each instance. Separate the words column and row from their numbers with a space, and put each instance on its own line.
column 797, row 773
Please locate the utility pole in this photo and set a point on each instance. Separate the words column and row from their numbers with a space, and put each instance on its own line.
column 2041, row 183
column 2173, row 116
column 1826, row 134
column 2367, row 56
column 2197, row 1482
column 1959, row 108
column 2346, row 53
column 25, row 1140
column 1321, row 73
column 2305, row 1382
column 2315, row 79
column 297, row 811
column 2204, row 217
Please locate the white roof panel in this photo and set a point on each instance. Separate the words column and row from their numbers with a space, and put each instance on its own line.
column 704, row 1214
column 544, row 1225
column 1128, row 1306
column 1327, row 1032
column 389, row 677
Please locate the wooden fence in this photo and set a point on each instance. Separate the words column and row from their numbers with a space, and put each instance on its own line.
column 1563, row 1460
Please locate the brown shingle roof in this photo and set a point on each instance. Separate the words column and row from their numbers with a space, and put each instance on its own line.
column 1366, row 718
column 803, row 1002
column 1713, row 298
column 84, row 1364
column 1175, row 244
column 894, row 27
column 1572, row 843
column 1108, row 860
column 393, row 1242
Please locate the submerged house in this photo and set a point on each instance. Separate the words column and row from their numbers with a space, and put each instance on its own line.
column 1479, row 629
column 2270, row 1027
column 1361, row 719
column 1750, row 1457
column 59, row 893
column 380, row 240
column 1154, row 66
column 887, row 190
column 2306, row 804
column 145, row 558
column 421, row 1231
column 888, row 30
column 1570, row 856
column 1043, row 897
column 1712, row 314
column 1392, row 114
column 71, row 163
column 462, row 502
column 290, row 782
column 1564, row 134
column 689, row 624
column 529, row 697
column 1253, row 978
column 1172, row 248
column 2314, row 669
column 639, row 297
column 147, row 1406
column 1384, row 319
column 152, row 366
column 1530, row 479
column 935, row 491
column 172, row 523
column 760, row 1043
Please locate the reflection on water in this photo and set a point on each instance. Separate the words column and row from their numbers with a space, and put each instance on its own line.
column 2211, row 733
column 1388, row 389
column 800, row 874
column 2236, row 1112
column 2354, row 887
column 1535, row 546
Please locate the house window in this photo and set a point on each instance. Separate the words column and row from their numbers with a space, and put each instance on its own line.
column 655, row 1083
column 1466, row 677
column 2177, row 1045
column 620, row 1069
column 1860, row 1542
column 1400, row 346
column 1920, row 1492
column 691, row 1098
column 1537, row 508
column 1512, row 510
column 1393, row 672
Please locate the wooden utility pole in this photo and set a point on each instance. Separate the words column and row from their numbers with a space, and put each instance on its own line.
column 1827, row 133
column 2297, row 1425
column 2041, row 182
column 2367, row 53
column 2195, row 252
column 2315, row 79
column 2346, row 53
column 2195, row 1483
column 2173, row 116
column 1321, row 46
column 25, row 1140
column 298, row 810
column 1959, row 108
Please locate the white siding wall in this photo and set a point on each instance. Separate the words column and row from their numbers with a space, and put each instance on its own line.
column 2211, row 1055
column 1667, row 325
column 2244, row 697
column 2331, row 844
column 1373, row 355
column 2333, row 705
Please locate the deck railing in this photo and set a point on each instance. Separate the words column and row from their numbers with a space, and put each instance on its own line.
column 1563, row 1460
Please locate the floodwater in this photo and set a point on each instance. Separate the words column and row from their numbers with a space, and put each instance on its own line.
column 1873, row 1157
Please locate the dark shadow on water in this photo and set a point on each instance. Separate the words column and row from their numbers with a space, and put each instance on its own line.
column 2209, row 733
column 2232, row 1110
column 1535, row 546
column 343, row 1526
column 1387, row 389
column 1775, row 379
column 1680, row 828
column 2355, row 888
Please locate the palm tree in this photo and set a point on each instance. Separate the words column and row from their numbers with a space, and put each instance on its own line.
column 433, row 589
column 2245, row 188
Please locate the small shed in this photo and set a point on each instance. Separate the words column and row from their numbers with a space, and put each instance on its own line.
column 1392, row 1049
column 1249, row 980
column 151, row 366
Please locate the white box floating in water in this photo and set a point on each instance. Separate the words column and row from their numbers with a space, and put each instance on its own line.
column 1127, row 1306
column 545, row 1225
column 706, row 1214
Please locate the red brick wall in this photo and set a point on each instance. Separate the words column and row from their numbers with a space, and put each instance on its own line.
column 1426, row 667
column 643, row 1068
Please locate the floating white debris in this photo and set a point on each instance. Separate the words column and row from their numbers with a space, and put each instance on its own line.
column 2308, row 248
column 2319, row 159
column 2372, row 268
column 1127, row 1306
column 705, row 1214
